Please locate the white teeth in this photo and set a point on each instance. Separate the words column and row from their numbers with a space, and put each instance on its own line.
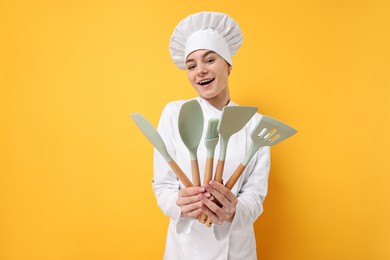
column 205, row 81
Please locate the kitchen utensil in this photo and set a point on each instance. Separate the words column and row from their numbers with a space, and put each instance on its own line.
column 155, row 138
column 211, row 140
column 233, row 119
column 268, row 132
column 191, row 129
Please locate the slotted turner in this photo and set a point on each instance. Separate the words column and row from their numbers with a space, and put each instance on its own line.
column 268, row 132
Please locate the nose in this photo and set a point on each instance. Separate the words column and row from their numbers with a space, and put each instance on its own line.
column 202, row 70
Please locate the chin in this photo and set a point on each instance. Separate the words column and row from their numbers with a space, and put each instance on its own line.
column 207, row 97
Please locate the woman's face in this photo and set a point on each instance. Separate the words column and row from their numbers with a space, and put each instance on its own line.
column 208, row 74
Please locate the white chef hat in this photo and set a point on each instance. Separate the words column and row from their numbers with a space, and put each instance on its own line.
column 213, row 31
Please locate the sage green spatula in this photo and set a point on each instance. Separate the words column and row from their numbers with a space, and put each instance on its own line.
column 268, row 132
column 233, row 119
column 155, row 138
column 191, row 129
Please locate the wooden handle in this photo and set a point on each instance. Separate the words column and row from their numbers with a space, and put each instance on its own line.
column 180, row 174
column 208, row 222
column 208, row 175
column 202, row 218
column 195, row 172
column 229, row 184
column 236, row 174
column 208, row 172
column 219, row 171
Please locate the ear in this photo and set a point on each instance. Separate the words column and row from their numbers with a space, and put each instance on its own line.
column 229, row 69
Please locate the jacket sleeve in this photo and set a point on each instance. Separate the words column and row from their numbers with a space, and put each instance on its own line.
column 165, row 183
column 251, row 195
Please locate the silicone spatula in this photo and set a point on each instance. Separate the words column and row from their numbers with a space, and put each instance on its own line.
column 233, row 119
column 191, row 130
column 155, row 138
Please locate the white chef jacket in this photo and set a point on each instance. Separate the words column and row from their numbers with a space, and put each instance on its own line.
column 187, row 238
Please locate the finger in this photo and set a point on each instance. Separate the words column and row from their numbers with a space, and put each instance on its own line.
column 221, row 198
column 220, row 214
column 224, row 191
column 190, row 191
column 215, row 209
column 182, row 201
column 211, row 216
column 191, row 207
column 193, row 214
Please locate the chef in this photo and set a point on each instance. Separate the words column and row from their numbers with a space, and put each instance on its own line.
column 203, row 45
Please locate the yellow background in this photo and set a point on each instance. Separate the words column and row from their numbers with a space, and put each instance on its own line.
column 75, row 172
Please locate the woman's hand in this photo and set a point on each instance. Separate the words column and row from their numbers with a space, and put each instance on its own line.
column 190, row 201
column 224, row 208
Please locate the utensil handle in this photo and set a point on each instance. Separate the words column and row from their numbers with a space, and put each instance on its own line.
column 203, row 218
column 236, row 174
column 208, row 175
column 208, row 222
column 219, row 171
column 180, row 174
column 208, row 172
column 195, row 172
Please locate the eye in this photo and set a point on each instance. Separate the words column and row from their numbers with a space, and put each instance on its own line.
column 191, row 67
column 210, row 60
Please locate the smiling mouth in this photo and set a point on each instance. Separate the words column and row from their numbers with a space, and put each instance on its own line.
column 205, row 81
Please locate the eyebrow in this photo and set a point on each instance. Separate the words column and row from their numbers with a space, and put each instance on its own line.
column 204, row 55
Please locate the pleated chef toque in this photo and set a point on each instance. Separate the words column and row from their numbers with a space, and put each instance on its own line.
column 213, row 31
